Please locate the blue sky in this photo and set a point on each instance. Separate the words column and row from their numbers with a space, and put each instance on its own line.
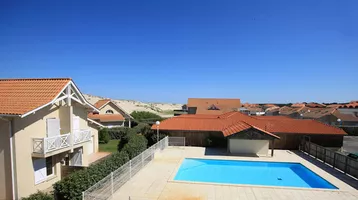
column 167, row 51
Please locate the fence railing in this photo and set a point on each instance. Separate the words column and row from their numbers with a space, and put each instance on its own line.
column 176, row 141
column 106, row 187
column 336, row 160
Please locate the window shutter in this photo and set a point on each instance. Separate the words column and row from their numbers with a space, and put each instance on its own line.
column 40, row 170
column 53, row 127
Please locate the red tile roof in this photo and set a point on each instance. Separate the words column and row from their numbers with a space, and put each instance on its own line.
column 350, row 105
column 345, row 117
column 20, row 96
column 224, row 105
column 101, row 103
column 106, row 117
column 233, row 122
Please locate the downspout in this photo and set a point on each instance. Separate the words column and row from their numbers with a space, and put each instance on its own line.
column 14, row 193
column 13, row 185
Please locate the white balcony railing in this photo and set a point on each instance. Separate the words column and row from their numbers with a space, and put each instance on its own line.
column 49, row 144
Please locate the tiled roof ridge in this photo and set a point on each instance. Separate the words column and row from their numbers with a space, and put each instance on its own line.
column 33, row 79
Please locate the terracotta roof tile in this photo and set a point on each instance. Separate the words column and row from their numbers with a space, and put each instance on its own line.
column 224, row 105
column 350, row 105
column 101, row 102
column 106, row 117
column 19, row 96
column 233, row 122
column 345, row 117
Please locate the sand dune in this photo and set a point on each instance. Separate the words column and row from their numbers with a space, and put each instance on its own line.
column 162, row 109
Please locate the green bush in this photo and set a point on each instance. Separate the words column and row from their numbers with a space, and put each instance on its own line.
column 39, row 196
column 143, row 128
column 103, row 136
column 145, row 116
column 73, row 185
column 125, row 139
column 152, row 137
column 117, row 133
column 136, row 145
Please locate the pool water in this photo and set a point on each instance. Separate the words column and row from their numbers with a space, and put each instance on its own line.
column 250, row 172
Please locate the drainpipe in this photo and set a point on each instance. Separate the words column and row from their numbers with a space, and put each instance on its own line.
column 13, row 185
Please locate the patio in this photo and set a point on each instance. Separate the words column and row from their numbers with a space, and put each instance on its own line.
column 155, row 181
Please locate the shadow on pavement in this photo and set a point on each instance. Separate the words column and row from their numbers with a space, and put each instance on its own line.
column 334, row 172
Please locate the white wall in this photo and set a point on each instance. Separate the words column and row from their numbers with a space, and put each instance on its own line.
column 239, row 146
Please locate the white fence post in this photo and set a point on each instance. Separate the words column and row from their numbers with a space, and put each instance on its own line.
column 112, row 183
column 130, row 169
column 83, row 195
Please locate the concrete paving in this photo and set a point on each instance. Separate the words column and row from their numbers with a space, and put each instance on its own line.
column 155, row 181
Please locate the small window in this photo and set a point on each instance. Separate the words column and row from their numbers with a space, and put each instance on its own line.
column 109, row 112
column 49, row 166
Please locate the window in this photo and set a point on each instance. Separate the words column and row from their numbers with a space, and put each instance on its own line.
column 109, row 112
column 49, row 166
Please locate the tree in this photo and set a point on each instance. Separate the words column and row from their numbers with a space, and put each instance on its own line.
column 145, row 116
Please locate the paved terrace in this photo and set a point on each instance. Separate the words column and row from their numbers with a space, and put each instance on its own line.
column 155, row 181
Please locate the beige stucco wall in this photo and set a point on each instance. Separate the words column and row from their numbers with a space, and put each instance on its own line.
column 5, row 166
column 81, row 111
column 65, row 121
column 241, row 146
column 110, row 106
column 94, row 130
column 32, row 126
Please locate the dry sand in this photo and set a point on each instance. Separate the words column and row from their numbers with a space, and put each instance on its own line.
column 162, row 109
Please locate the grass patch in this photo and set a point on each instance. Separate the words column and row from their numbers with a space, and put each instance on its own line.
column 111, row 146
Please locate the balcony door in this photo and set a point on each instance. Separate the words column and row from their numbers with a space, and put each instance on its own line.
column 53, row 127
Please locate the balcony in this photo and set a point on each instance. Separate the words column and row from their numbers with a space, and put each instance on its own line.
column 43, row 147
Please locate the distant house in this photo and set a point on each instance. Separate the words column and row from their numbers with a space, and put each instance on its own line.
column 110, row 114
column 272, row 111
column 293, row 112
column 241, row 133
column 43, row 127
column 212, row 105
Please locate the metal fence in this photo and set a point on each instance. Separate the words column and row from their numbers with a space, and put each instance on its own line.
column 105, row 188
column 336, row 160
column 176, row 141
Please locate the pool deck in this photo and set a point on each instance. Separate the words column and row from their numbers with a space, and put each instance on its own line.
column 155, row 181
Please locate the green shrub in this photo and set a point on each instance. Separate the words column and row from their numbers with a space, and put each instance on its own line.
column 39, row 196
column 135, row 145
column 117, row 133
column 143, row 128
column 152, row 137
column 125, row 139
column 73, row 185
column 103, row 136
column 145, row 116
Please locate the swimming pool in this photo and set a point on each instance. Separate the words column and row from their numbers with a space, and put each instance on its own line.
column 250, row 172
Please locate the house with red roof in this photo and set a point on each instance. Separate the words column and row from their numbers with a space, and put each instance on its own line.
column 212, row 105
column 110, row 114
column 241, row 133
column 43, row 127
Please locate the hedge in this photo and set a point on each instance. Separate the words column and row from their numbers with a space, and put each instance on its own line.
column 103, row 136
column 117, row 133
column 72, row 186
column 142, row 128
column 136, row 145
column 39, row 196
